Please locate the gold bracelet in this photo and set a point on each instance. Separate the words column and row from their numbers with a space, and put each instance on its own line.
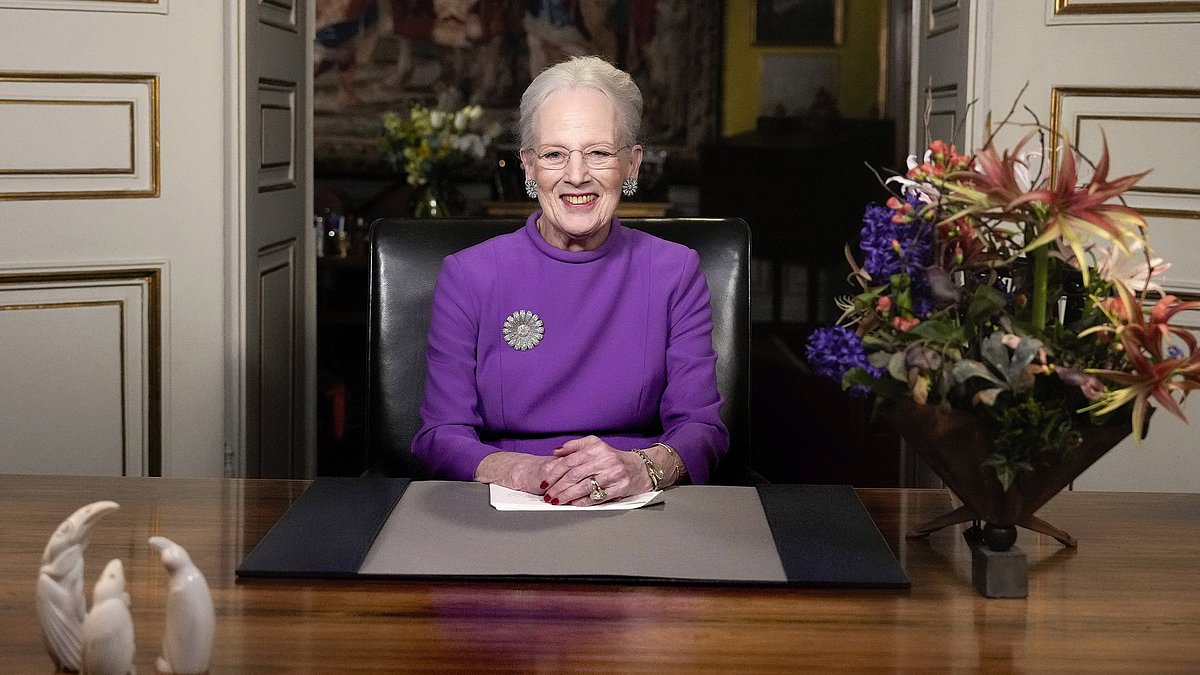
column 656, row 473
column 677, row 463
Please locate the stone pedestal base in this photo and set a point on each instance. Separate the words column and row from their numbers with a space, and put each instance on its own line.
column 998, row 574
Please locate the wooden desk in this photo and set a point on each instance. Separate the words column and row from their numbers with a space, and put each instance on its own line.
column 1127, row 599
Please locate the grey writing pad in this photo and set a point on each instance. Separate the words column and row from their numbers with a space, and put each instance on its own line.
column 796, row 535
column 697, row 533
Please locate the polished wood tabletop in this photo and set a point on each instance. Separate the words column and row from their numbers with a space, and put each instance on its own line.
column 1128, row 599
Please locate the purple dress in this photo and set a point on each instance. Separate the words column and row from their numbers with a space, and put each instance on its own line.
column 626, row 352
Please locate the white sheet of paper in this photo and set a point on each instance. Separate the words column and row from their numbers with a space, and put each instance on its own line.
column 505, row 499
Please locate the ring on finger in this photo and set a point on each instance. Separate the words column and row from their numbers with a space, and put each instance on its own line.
column 598, row 493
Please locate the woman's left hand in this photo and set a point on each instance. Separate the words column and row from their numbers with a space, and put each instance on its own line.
column 618, row 472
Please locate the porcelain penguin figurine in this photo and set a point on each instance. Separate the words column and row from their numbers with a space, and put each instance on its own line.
column 188, row 637
column 108, row 629
column 61, row 606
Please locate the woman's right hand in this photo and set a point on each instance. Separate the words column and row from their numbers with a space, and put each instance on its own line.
column 515, row 470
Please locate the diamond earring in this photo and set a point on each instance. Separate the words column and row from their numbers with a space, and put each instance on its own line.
column 531, row 188
column 629, row 187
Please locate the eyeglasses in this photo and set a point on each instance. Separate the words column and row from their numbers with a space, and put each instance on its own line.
column 595, row 157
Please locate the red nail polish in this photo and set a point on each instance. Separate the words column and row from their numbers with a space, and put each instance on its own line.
column 546, row 498
column 554, row 501
column 545, row 485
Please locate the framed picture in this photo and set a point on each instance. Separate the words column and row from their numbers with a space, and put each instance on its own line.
column 793, row 85
column 815, row 23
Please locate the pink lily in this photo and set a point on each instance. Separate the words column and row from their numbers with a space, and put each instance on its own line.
column 1075, row 212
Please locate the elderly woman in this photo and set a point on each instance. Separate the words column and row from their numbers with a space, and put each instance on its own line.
column 573, row 358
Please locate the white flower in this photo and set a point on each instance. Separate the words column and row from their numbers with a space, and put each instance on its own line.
column 913, row 163
column 1136, row 269
column 1025, row 172
column 470, row 144
column 922, row 191
column 460, row 121
column 437, row 118
column 925, row 192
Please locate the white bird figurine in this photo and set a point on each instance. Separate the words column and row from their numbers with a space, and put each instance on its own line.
column 188, row 638
column 108, row 629
column 61, row 605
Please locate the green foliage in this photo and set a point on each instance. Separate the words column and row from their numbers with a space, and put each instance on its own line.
column 984, row 303
column 1026, row 305
column 886, row 387
column 938, row 330
column 435, row 145
column 1027, row 428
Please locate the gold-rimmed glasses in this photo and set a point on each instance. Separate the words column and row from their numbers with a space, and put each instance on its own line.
column 553, row 157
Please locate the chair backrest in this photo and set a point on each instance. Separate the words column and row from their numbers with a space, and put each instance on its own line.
column 406, row 256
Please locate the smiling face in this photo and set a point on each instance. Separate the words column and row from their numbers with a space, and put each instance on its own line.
column 578, row 201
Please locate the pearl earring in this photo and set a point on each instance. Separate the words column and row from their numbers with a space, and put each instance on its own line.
column 531, row 188
column 629, row 187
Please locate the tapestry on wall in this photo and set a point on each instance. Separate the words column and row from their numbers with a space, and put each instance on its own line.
column 372, row 56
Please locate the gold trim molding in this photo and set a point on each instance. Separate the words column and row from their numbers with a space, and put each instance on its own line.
column 1068, row 8
column 152, row 278
column 1177, row 119
column 103, row 6
column 121, row 171
column 1057, row 96
column 151, row 82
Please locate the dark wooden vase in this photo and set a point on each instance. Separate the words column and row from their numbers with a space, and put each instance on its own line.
column 955, row 444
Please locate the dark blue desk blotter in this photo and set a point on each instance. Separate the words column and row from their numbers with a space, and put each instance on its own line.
column 328, row 531
column 825, row 537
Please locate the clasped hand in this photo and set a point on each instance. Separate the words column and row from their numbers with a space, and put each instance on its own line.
column 562, row 478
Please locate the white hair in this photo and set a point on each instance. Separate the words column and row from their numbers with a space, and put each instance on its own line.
column 585, row 71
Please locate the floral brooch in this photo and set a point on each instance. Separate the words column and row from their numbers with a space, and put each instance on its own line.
column 523, row 330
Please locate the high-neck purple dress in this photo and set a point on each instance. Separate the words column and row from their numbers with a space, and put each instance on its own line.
column 625, row 353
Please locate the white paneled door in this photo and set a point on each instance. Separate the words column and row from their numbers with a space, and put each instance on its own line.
column 124, row 214
column 1127, row 69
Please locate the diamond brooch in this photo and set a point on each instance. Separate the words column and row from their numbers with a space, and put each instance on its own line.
column 523, row 330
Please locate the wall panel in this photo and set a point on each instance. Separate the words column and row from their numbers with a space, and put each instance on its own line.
column 122, row 6
column 51, row 137
column 942, row 16
column 277, row 135
column 1121, row 11
column 276, row 351
column 80, row 353
column 1146, row 128
column 278, row 13
column 78, row 135
column 1166, row 460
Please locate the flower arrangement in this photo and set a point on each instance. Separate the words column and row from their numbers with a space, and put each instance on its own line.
column 434, row 145
column 990, row 287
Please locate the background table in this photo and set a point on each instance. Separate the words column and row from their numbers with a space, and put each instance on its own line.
column 1127, row 599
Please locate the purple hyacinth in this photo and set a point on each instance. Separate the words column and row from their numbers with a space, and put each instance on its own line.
column 881, row 259
column 833, row 350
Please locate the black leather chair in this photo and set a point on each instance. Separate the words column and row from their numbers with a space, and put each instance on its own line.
column 406, row 256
